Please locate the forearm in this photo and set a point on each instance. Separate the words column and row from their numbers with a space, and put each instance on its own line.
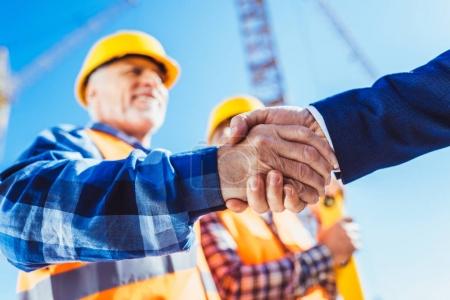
column 80, row 209
column 288, row 277
column 400, row 117
column 316, row 268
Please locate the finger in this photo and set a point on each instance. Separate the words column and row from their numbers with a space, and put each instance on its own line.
column 274, row 191
column 305, row 193
column 241, row 124
column 306, row 154
column 236, row 205
column 301, row 173
column 291, row 200
column 256, row 194
column 305, row 135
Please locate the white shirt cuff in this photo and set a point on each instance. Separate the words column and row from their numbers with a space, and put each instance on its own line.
column 319, row 119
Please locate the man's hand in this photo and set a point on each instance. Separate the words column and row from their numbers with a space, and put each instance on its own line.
column 240, row 126
column 286, row 115
column 342, row 239
column 295, row 151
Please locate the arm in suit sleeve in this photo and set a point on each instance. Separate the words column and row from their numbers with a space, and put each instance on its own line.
column 400, row 117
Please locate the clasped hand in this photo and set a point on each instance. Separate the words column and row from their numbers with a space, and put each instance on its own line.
column 276, row 158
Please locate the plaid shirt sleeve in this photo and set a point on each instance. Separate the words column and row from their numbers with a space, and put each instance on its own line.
column 62, row 202
column 286, row 278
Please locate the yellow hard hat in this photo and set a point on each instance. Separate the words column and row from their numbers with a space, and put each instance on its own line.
column 229, row 108
column 118, row 45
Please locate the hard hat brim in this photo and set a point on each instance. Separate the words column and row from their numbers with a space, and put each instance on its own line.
column 229, row 108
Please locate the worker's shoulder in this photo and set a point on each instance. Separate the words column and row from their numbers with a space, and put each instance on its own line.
column 62, row 141
column 66, row 136
column 63, row 131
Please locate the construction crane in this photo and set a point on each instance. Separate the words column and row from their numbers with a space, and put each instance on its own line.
column 267, row 82
column 11, row 85
column 260, row 52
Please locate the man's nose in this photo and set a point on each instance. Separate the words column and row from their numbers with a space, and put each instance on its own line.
column 150, row 78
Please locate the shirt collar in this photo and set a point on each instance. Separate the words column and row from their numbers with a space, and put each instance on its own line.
column 132, row 141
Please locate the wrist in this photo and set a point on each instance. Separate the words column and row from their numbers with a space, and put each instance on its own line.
column 232, row 166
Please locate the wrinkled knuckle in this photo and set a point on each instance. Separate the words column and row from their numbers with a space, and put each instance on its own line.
column 300, row 188
column 310, row 153
column 301, row 131
column 238, row 120
column 305, row 132
column 302, row 170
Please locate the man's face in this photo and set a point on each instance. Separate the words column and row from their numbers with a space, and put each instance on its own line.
column 129, row 95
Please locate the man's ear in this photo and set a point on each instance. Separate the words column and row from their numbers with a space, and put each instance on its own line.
column 91, row 92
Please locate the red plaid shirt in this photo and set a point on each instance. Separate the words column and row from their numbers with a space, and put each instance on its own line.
column 286, row 278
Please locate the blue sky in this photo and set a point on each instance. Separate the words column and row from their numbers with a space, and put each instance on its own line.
column 404, row 211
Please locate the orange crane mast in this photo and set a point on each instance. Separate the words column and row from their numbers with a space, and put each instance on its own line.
column 260, row 54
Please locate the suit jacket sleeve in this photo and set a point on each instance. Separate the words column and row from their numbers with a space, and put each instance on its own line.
column 400, row 117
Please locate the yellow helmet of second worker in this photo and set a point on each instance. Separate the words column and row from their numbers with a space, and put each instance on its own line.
column 229, row 108
column 118, row 45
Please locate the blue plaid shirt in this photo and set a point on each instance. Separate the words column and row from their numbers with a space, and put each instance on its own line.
column 61, row 201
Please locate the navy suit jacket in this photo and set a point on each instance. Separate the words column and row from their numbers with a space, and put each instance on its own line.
column 400, row 117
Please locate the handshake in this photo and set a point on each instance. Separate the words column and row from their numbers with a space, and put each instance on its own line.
column 274, row 159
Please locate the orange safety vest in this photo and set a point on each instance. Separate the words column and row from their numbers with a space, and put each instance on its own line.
column 257, row 243
column 183, row 275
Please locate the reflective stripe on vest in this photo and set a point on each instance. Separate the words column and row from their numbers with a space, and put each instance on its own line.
column 177, row 276
column 257, row 243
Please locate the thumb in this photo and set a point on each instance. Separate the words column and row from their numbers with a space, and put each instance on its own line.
column 241, row 124
column 238, row 129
